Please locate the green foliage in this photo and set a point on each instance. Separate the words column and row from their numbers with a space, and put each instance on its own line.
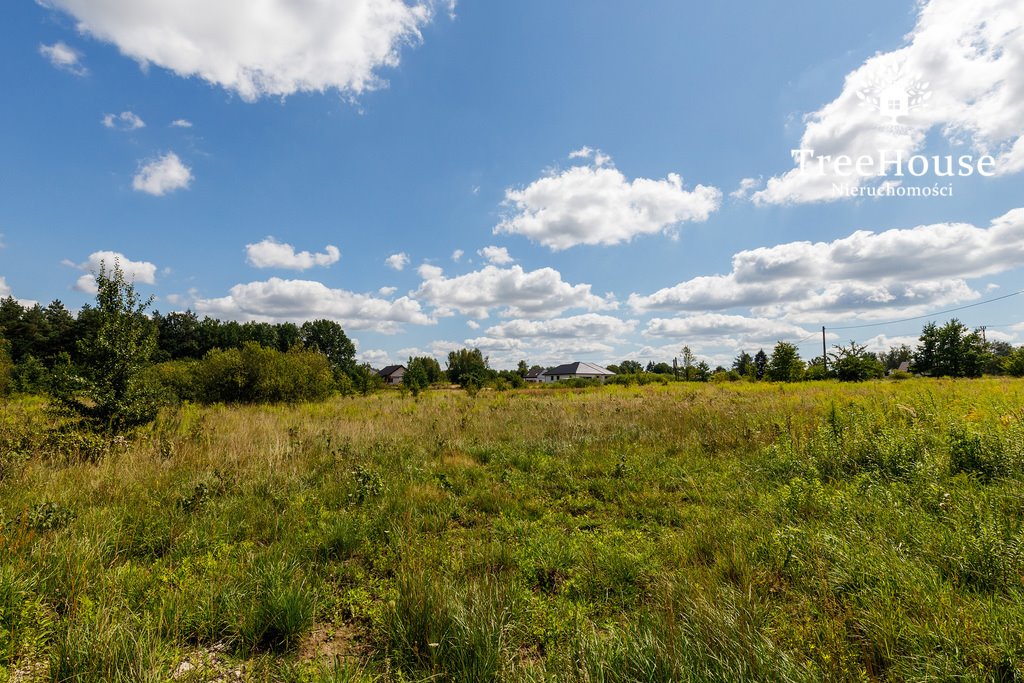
column 785, row 364
column 629, row 367
column 253, row 374
column 365, row 380
column 468, row 368
column 421, row 372
column 760, row 364
column 988, row 454
column 950, row 351
column 1013, row 364
column 327, row 337
column 854, row 363
column 111, row 392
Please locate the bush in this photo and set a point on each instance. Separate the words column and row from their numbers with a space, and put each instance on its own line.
column 252, row 374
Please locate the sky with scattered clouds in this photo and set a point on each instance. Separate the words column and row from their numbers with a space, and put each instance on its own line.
column 547, row 181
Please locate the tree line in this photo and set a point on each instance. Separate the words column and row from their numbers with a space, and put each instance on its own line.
column 948, row 350
column 113, row 363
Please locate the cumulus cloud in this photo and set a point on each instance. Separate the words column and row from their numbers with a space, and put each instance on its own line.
column 269, row 253
column 387, row 291
column 866, row 273
column 964, row 65
column 136, row 271
column 377, row 358
column 277, row 49
column 585, row 326
column 181, row 123
column 537, row 293
column 279, row 300
column 499, row 256
column 5, row 289
column 725, row 330
column 163, row 175
column 597, row 204
column 126, row 120
column 457, row 254
column 397, row 261
column 64, row 57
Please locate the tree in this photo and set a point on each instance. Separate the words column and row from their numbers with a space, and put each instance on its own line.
column 112, row 393
column 950, row 351
column 523, row 369
column 896, row 356
column 760, row 364
column 854, row 363
column 178, row 335
column 468, row 368
column 365, row 379
column 327, row 337
column 688, row 360
column 701, row 371
column 630, row 367
column 785, row 364
column 744, row 365
column 420, row 373
column 1013, row 364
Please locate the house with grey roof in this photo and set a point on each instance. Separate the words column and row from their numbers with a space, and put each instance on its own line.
column 577, row 370
column 392, row 374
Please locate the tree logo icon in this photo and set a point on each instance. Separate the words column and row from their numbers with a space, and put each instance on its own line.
column 893, row 93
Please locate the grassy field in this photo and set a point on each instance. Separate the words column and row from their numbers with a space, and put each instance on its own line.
column 691, row 532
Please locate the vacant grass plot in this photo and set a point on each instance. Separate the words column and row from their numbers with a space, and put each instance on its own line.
column 688, row 532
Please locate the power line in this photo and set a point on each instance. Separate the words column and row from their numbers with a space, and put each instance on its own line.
column 929, row 315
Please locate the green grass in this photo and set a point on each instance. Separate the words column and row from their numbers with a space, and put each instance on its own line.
column 661, row 533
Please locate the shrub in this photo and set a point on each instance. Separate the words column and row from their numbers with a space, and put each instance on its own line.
column 252, row 374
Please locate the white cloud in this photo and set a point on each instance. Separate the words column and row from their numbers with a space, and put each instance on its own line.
column 968, row 56
column 64, row 57
column 596, row 204
column 163, row 175
column 725, row 330
column 135, row 271
column 5, row 289
column 581, row 153
column 269, row 253
column 397, row 261
column 540, row 293
column 457, row 254
column 126, row 120
column 499, row 256
column 278, row 300
column 377, row 358
column 276, row 48
column 747, row 186
column 472, row 324
column 181, row 123
column 871, row 274
column 387, row 291
column 585, row 326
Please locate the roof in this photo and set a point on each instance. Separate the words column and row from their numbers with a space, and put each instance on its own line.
column 536, row 372
column 390, row 370
column 579, row 368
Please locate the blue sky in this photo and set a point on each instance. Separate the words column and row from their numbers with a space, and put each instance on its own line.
column 585, row 158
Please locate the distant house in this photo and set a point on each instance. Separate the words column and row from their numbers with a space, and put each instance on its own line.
column 577, row 370
column 904, row 366
column 392, row 374
column 535, row 375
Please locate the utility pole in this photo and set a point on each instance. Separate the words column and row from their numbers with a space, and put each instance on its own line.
column 824, row 350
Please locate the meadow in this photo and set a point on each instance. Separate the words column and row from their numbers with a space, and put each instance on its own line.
column 705, row 532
